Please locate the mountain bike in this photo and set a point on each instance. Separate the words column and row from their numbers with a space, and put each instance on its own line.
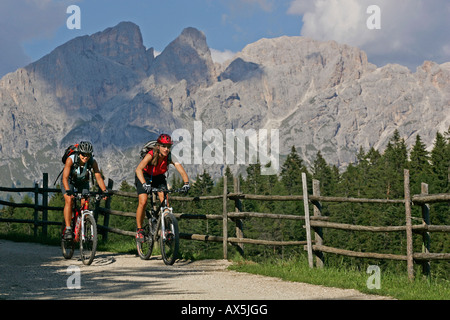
column 160, row 225
column 84, row 226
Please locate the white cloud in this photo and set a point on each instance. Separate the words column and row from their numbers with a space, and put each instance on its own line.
column 411, row 30
column 221, row 56
column 23, row 20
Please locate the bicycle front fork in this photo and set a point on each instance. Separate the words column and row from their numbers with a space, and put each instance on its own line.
column 83, row 214
column 165, row 212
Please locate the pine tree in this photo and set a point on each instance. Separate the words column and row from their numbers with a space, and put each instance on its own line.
column 291, row 172
column 253, row 182
column 230, row 179
column 419, row 157
column 124, row 186
column 440, row 164
column 203, row 184
column 196, row 186
column 447, row 156
column 395, row 161
column 322, row 172
column 419, row 165
column 207, row 182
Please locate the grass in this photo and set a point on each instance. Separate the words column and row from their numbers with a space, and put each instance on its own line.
column 297, row 270
column 392, row 285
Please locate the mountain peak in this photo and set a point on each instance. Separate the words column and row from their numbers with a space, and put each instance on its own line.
column 321, row 96
column 87, row 71
column 123, row 43
column 195, row 38
column 186, row 58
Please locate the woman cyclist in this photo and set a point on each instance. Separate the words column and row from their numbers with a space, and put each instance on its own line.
column 76, row 175
column 150, row 174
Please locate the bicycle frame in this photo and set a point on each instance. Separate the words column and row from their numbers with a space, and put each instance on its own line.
column 86, row 237
column 163, row 210
column 164, row 229
column 83, row 210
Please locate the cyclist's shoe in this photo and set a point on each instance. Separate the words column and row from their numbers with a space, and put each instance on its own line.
column 140, row 235
column 68, row 234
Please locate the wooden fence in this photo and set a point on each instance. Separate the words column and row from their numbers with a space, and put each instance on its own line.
column 43, row 207
column 313, row 224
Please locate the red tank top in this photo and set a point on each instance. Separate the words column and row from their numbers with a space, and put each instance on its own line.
column 160, row 168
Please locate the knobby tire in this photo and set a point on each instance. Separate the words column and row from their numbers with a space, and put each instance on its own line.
column 170, row 245
column 145, row 248
column 88, row 246
column 67, row 246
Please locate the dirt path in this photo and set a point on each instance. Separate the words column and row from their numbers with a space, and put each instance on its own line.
column 34, row 271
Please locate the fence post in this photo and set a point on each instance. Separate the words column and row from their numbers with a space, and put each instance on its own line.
column 36, row 208
column 307, row 223
column 225, row 218
column 239, row 222
column 107, row 206
column 426, row 268
column 318, row 232
column 45, row 204
column 409, row 239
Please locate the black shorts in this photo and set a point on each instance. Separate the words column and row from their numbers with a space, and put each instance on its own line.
column 78, row 186
column 158, row 181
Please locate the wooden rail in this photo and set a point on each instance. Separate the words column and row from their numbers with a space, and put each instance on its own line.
column 314, row 224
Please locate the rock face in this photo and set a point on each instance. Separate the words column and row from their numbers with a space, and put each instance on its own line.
column 110, row 89
column 186, row 58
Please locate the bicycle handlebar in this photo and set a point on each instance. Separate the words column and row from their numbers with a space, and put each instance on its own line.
column 156, row 190
column 86, row 194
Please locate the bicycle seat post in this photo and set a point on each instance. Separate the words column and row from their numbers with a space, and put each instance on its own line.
column 166, row 199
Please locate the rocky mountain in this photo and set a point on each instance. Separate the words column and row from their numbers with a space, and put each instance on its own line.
column 110, row 89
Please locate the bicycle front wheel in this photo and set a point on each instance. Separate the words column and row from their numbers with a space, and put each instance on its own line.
column 170, row 240
column 88, row 244
column 145, row 248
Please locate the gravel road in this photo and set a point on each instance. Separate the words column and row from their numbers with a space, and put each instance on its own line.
column 38, row 272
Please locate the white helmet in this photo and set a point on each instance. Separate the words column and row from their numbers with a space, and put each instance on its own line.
column 85, row 147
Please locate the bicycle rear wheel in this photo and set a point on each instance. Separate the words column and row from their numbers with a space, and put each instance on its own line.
column 171, row 242
column 145, row 248
column 88, row 244
column 67, row 246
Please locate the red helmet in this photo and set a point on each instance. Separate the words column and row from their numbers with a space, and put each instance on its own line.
column 164, row 139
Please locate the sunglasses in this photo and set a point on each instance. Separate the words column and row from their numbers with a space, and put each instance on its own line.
column 86, row 155
column 167, row 146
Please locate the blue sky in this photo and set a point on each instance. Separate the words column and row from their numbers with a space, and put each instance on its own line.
column 228, row 25
column 411, row 30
